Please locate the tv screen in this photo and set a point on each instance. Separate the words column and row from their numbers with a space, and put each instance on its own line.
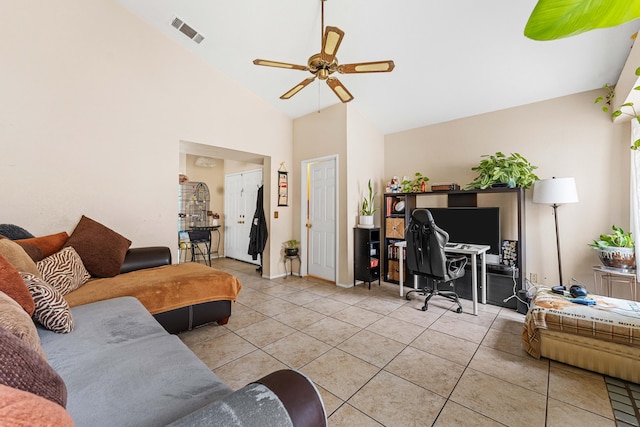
column 470, row 225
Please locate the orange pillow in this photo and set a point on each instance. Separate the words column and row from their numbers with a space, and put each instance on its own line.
column 49, row 245
column 12, row 284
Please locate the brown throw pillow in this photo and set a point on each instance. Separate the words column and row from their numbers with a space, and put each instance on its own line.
column 48, row 244
column 51, row 309
column 12, row 284
column 24, row 369
column 18, row 257
column 14, row 319
column 64, row 270
column 102, row 250
column 20, row 408
column 34, row 252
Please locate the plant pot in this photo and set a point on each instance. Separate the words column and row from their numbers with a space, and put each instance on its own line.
column 365, row 221
column 624, row 258
column 291, row 251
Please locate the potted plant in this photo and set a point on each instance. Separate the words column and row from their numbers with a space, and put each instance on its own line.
column 616, row 249
column 499, row 170
column 368, row 209
column 415, row 185
column 291, row 247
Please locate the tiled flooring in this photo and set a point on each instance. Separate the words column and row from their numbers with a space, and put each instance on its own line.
column 377, row 359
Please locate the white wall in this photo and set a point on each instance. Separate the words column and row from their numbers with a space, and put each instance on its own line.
column 567, row 136
column 96, row 102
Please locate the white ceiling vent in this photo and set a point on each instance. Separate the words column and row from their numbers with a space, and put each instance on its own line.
column 187, row 30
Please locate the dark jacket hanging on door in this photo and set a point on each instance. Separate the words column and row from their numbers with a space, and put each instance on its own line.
column 259, row 233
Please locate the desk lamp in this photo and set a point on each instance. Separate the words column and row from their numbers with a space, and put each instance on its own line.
column 555, row 192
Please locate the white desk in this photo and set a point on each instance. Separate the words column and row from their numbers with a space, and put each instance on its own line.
column 460, row 248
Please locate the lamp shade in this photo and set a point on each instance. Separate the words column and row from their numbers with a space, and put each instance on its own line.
column 555, row 191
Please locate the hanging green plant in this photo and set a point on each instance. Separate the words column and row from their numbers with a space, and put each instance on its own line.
column 500, row 170
column 627, row 108
column 555, row 19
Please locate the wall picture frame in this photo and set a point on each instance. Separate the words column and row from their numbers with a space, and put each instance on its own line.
column 283, row 188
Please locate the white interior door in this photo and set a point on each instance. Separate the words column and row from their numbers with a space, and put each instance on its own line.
column 240, row 196
column 321, row 261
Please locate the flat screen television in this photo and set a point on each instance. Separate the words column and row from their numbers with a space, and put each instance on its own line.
column 470, row 225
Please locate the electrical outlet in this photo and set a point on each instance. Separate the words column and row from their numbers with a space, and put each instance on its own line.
column 533, row 277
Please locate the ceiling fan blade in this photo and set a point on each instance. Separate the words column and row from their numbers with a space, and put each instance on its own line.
column 367, row 67
column 339, row 89
column 267, row 63
column 330, row 43
column 297, row 88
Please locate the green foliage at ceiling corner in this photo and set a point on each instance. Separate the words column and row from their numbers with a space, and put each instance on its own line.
column 556, row 19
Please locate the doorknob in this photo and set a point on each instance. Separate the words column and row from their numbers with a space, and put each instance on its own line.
column 308, row 225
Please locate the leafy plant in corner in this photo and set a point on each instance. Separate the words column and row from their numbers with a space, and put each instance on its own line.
column 608, row 100
column 368, row 208
column 291, row 247
column 414, row 185
column 501, row 170
column 618, row 239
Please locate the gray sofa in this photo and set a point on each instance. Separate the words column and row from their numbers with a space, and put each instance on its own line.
column 121, row 368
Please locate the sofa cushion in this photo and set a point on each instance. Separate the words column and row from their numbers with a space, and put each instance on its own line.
column 64, row 270
column 22, row 368
column 122, row 368
column 21, row 408
column 14, row 253
column 102, row 250
column 49, row 244
column 51, row 309
column 11, row 284
column 14, row 232
column 15, row 320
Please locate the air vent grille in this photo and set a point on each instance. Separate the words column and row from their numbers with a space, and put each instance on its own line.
column 187, row 30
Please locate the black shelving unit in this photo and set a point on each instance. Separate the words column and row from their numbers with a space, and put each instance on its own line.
column 366, row 257
column 500, row 282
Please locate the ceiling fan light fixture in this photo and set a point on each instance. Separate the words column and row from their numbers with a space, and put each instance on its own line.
column 323, row 64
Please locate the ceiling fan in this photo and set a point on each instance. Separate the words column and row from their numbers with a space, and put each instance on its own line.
column 325, row 63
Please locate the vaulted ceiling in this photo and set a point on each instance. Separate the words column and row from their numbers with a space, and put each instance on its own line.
column 453, row 58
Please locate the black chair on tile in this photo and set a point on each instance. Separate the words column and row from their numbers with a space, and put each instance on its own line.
column 426, row 257
column 199, row 237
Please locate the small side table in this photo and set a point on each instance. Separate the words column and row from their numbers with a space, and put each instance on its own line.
column 290, row 258
column 605, row 277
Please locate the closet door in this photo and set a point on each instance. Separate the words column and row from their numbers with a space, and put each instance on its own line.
column 241, row 194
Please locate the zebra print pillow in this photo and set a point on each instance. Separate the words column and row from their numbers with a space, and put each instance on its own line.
column 64, row 270
column 52, row 310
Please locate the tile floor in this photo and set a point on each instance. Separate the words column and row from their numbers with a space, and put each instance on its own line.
column 377, row 359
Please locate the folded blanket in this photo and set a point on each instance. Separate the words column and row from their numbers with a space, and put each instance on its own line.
column 610, row 319
column 163, row 288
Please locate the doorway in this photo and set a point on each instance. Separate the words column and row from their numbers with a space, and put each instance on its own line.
column 319, row 207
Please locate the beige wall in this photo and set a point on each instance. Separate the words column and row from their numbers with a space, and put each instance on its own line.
column 97, row 102
column 568, row 136
column 343, row 132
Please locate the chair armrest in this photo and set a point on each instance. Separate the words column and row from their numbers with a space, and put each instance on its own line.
column 283, row 398
column 456, row 263
column 146, row 257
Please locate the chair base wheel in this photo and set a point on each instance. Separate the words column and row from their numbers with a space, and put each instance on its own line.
column 408, row 297
column 424, row 308
column 459, row 310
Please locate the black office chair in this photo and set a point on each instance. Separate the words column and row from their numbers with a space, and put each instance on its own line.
column 426, row 257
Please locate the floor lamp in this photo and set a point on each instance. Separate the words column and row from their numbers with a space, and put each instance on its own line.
column 555, row 192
